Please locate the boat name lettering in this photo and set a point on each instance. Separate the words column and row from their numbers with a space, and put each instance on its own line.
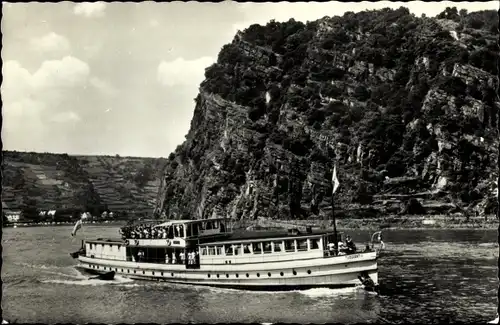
column 168, row 242
column 177, row 242
column 136, row 242
column 350, row 257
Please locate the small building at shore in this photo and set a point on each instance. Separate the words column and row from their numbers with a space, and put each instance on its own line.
column 13, row 215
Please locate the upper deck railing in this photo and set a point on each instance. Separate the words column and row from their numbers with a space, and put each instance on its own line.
column 176, row 229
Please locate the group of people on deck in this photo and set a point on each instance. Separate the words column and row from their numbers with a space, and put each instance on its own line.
column 148, row 231
column 191, row 257
column 344, row 248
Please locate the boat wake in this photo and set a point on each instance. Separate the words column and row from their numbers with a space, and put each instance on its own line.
column 313, row 293
column 328, row 292
column 85, row 281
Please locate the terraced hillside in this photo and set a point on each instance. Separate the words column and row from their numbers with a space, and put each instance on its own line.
column 55, row 181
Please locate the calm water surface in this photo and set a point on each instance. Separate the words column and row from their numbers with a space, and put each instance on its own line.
column 426, row 277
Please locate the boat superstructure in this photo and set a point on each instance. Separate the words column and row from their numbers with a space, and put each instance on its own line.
column 207, row 252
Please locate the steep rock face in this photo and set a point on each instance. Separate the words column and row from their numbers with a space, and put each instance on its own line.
column 406, row 106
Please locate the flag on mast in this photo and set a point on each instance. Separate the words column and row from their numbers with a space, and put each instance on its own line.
column 77, row 226
column 335, row 180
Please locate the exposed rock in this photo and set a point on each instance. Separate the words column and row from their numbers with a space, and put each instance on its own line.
column 394, row 100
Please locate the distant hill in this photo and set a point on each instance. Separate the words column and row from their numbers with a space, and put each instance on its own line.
column 61, row 181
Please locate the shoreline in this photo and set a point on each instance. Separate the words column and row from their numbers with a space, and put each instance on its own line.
column 387, row 223
column 61, row 224
column 351, row 224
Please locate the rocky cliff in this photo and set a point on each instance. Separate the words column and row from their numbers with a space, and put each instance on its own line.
column 406, row 106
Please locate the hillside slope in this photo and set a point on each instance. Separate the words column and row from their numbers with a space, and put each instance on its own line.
column 406, row 106
column 52, row 181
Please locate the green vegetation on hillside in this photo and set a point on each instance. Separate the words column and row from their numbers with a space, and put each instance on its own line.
column 43, row 181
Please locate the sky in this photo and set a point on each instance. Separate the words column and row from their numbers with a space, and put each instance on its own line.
column 121, row 78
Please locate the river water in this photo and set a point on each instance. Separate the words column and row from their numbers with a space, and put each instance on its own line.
column 426, row 276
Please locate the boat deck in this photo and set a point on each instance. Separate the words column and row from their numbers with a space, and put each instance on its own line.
column 266, row 234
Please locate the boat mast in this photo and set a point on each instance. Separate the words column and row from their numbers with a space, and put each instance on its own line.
column 335, row 184
column 333, row 220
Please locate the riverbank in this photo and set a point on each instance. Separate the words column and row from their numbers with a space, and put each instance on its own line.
column 64, row 223
column 388, row 222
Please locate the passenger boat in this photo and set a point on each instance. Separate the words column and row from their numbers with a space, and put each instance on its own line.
column 207, row 252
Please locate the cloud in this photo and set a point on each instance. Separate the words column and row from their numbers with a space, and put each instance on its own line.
column 65, row 117
column 103, row 86
column 31, row 100
column 50, row 43
column 154, row 23
column 90, row 9
column 64, row 73
column 183, row 72
column 16, row 82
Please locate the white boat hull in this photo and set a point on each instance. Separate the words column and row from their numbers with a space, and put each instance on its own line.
column 339, row 271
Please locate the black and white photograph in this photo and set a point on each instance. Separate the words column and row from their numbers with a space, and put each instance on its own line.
column 245, row 162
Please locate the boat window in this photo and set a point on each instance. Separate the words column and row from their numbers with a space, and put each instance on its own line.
column 188, row 230
column 237, row 249
column 267, row 247
column 195, row 229
column 219, row 250
column 216, row 224
column 209, row 225
column 228, row 250
column 247, row 249
column 176, row 231
column 211, row 250
column 301, row 244
column 277, row 246
column 257, row 248
column 203, row 251
column 290, row 245
column 314, row 243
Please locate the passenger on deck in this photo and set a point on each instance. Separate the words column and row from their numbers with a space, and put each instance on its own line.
column 351, row 248
column 342, row 248
column 140, row 254
column 331, row 249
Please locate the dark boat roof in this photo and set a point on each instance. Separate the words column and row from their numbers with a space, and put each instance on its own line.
column 107, row 240
column 240, row 236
